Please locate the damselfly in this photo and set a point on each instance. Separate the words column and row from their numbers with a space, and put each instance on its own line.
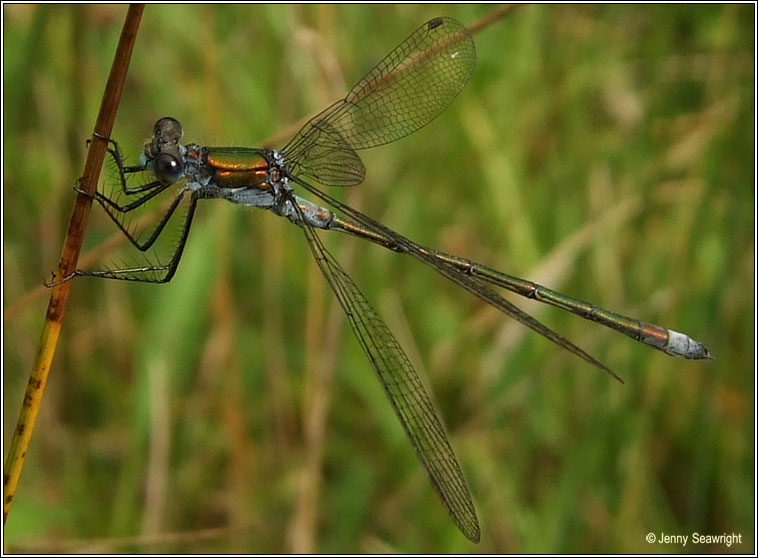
column 410, row 87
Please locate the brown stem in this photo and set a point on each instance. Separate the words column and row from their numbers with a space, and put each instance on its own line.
column 71, row 247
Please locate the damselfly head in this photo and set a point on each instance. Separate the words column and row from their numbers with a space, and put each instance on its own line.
column 162, row 152
column 167, row 133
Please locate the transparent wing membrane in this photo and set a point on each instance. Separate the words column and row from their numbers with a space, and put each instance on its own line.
column 408, row 89
column 405, row 390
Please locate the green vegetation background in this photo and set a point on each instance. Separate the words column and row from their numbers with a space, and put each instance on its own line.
column 607, row 152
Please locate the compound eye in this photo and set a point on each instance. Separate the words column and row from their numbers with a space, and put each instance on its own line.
column 168, row 169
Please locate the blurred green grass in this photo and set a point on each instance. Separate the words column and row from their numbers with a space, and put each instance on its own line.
column 606, row 151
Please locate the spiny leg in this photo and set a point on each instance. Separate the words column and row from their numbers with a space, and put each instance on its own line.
column 115, row 212
column 124, row 170
column 145, row 274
